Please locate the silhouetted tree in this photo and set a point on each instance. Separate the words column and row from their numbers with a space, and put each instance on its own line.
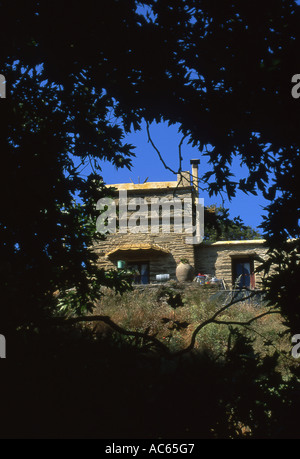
column 219, row 226
column 81, row 75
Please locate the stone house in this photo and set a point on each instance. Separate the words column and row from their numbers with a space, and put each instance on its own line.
column 152, row 246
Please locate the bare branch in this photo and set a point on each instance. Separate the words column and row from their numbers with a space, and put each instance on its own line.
column 179, row 172
column 247, row 322
column 152, row 339
column 180, row 155
column 157, row 150
column 113, row 325
column 209, row 321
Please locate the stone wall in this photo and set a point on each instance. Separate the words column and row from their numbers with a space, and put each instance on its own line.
column 173, row 244
column 158, row 204
column 159, row 262
column 216, row 258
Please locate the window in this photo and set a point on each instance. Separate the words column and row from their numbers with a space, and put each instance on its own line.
column 243, row 272
column 141, row 270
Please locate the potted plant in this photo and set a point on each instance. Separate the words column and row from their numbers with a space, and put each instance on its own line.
column 184, row 271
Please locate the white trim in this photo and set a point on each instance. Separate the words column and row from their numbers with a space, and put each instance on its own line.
column 244, row 242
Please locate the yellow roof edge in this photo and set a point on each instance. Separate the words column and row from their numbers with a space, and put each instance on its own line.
column 147, row 185
column 141, row 246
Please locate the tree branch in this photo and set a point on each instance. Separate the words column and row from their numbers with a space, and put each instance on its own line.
column 152, row 339
column 157, row 150
column 179, row 172
column 114, row 326
column 212, row 320
column 248, row 322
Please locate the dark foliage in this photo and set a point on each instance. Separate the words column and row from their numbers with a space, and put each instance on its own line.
column 219, row 226
column 79, row 76
column 65, row 384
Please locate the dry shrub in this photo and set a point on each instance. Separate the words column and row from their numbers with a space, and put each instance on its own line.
column 148, row 310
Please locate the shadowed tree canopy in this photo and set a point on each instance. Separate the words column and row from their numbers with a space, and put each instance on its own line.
column 219, row 226
column 80, row 75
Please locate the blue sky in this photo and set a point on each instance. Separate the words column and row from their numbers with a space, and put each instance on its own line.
column 148, row 165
